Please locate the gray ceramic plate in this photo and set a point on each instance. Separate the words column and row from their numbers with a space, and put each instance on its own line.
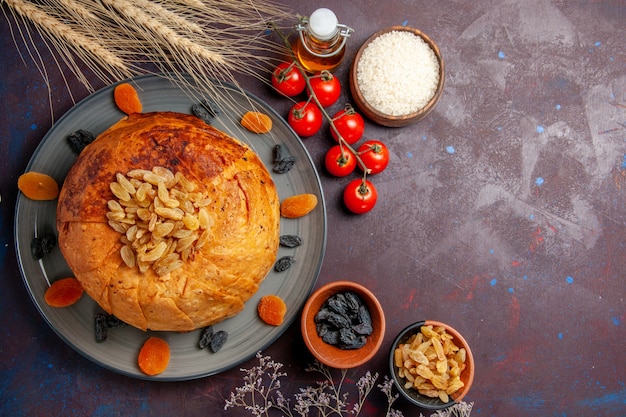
column 247, row 334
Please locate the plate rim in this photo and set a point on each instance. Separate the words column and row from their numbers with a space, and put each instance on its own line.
column 176, row 83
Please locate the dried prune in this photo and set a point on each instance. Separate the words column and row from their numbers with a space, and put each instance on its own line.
column 218, row 340
column 277, row 153
column 348, row 339
column 103, row 322
column 205, row 337
column 364, row 315
column 42, row 245
column 338, row 305
column 284, row 263
column 363, row 328
column 344, row 321
column 284, row 166
column 80, row 139
column 206, row 110
column 290, row 241
column 322, row 329
column 283, row 160
column 347, row 336
column 331, row 337
column 100, row 322
column 338, row 321
column 322, row 315
column 113, row 322
column 353, row 301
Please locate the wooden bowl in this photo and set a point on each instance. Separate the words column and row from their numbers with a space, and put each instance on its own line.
column 331, row 355
column 411, row 394
column 391, row 120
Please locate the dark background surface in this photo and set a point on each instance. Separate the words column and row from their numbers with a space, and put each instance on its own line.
column 502, row 213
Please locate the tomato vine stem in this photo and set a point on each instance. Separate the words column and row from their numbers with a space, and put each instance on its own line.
column 307, row 78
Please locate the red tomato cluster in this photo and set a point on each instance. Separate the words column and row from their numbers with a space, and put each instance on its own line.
column 347, row 127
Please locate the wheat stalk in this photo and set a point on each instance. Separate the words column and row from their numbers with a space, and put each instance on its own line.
column 153, row 27
column 166, row 16
column 81, row 12
column 117, row 39
column 55, row 28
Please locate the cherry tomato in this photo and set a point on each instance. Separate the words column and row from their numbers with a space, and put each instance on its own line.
column 288, row 80
column 375, row 156
column 360, row 196
column 326, row 87
column 340, row 161
column 350, row 125
column 305, row 118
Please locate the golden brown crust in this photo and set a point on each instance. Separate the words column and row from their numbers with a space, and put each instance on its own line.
column 223, row 274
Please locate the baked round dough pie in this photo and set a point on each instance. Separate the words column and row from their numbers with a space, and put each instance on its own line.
column 214, row 189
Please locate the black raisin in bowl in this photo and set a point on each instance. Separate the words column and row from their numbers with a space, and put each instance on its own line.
column 343, row 324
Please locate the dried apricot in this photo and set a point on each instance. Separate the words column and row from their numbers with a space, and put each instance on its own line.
column 272, row 309
column 298, row 205
column 256, row 122
column 154, row 356
column 63, row 292
column 38, row 186
column 127, row 99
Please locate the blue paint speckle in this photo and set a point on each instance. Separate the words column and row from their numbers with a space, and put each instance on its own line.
column 424, row 137
column 531, row 217
column 598, row 43
column 33, row 126
column 406, row 22
column 539, row 181
column 103, row 410
column 540, row 129
column 145, row 405
column 511, row 290
column 614, row 399
column 615, row 321
column 409, row 154
column 624, row 162
column 491, row 251
column 494, row 281
column 499, row 128
column 525, row 277
column 450, row 149
column 501, row 55
column 560, row 335
column 569, row 280
column 558, row 107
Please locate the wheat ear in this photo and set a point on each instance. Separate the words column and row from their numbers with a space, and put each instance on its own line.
column 54, row 27
column 164, row 15
column 79, row 9
column 169, row 37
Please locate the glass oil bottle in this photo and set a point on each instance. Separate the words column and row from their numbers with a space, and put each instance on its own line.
column 321, row 41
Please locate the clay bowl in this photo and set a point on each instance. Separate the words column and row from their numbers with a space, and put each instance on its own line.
column 391, row 120
column 332, row 355
column 411, row 394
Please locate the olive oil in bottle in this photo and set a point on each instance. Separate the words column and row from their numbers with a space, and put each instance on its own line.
column 321, row 41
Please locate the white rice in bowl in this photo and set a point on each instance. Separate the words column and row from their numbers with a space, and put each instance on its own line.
column 398, row 73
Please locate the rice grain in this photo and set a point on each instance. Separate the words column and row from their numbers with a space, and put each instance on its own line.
column 398, row 73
